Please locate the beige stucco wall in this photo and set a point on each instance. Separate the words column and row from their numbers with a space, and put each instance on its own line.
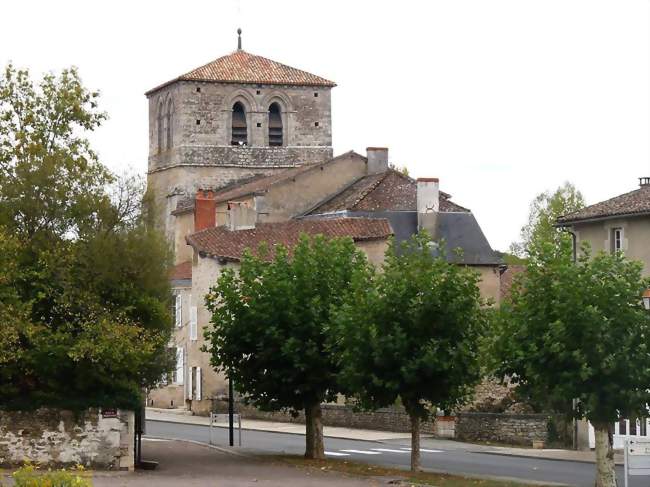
column 183, row 226
column 374, row 250
column 490, row 284
column 636, row 237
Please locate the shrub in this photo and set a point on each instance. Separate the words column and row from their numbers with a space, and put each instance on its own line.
column 29, row 476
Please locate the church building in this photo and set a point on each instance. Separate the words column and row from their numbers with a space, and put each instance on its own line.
column 240, row 153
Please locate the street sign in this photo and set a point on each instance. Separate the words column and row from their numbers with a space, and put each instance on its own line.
column 637, row 457
column 109, row 413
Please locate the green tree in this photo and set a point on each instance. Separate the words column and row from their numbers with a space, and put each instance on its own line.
column 410, row 332
column 268, row 328
column 83, row 279
column 544, row 211
column 579, row 330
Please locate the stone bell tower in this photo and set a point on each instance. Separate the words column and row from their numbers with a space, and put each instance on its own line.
column 238, row 116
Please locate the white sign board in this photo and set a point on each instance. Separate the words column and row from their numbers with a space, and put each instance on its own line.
column 637, row 457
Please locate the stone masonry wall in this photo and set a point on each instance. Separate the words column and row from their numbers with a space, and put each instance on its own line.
column 515, row 429
column 61, row 438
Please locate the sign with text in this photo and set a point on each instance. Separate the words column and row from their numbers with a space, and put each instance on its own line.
column 637, row 457
column 109, row 412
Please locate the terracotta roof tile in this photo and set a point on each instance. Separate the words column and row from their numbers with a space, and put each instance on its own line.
column 387, row 191
column 229, row 244
column 633, row 203
column 181, row 271
column 243, row 67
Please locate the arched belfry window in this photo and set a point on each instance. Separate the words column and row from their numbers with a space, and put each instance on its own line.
column 159, row 126
column 275, row 125
column 239, row 129
column 169, row 133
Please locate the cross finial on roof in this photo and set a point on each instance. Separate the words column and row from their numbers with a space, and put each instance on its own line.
column 239, row 39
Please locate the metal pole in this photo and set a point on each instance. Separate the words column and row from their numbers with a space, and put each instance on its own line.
column 231, row 412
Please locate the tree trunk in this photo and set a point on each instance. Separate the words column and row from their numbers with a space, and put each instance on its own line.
column 605, row 473
column 314, row 448
column 415, row 443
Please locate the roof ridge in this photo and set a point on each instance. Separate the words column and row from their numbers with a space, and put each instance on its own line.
column 369, row 189
column 568, row 216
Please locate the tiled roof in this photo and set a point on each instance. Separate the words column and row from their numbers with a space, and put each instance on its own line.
column 507, row 278
column 229, row 244
column 264, row 183
column 184, row 205
column 181, row 271
column 243, row 67
column 387, row 191
column 633, row 203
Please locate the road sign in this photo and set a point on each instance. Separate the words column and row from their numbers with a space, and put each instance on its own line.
column 637, row 457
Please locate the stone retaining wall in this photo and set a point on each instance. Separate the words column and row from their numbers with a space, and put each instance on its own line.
column 514, row 429
column 61, row 438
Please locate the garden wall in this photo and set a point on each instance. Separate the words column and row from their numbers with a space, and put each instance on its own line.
column 514, row 429
column 58, row 438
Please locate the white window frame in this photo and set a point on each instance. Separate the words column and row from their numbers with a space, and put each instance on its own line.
column 617, row 238
column 180, row 366
column 178, row 310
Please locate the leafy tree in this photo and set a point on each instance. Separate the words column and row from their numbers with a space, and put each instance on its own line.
column 83, row 278
column 410, row 333
column 269, row 327
column 544, row 211
column 579, row 330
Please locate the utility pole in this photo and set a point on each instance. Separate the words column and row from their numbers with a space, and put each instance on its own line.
column 231, row 412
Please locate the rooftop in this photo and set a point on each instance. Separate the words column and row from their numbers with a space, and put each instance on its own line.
column 220, row 242
column 634, row 203
column 246, row 68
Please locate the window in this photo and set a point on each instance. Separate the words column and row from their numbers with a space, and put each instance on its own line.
column 195, row 383
column 316, row 124
column 198, row 89
column 617, row 240
column 169, row 129
column 239, row 129
column 159, row 127
column 275, row 125
column 315, row 94
column 178, row 375
column 177, row 311
column 193, row 324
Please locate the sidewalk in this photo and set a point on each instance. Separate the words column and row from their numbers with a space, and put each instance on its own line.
column 427, row 441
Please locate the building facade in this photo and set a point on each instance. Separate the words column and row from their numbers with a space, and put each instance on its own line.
column 240, row 153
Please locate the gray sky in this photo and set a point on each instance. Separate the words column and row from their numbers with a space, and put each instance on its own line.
column 500, row 99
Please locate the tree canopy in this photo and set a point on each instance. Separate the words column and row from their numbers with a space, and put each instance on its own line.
column 544, row 211
column 410, row 332
column 579, row 331
column 84, row 278
column 269, row 326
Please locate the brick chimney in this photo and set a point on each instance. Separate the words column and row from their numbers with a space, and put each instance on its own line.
column 377, row 160
column 205, row 210
column 428, row 204
column 241, row 216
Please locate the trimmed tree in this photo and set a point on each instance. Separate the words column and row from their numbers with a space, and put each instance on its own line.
column 269, row 327
column 579, row 330
column 410, row 333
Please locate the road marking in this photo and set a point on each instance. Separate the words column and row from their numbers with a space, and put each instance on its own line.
column 153, row 439
column 337, row 454
column 424, row 450
column 388, row 450
column 363, row 452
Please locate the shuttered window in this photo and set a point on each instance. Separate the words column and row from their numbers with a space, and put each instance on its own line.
column 239, row 128
column 193, row 324
column 275, row 126
column 180, row 366
column 178, row 311
column 199, row 383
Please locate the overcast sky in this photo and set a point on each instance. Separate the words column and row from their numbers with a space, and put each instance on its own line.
column 499, row 99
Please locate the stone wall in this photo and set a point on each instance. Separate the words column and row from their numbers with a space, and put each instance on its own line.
column 61, row 438
column 514, row 429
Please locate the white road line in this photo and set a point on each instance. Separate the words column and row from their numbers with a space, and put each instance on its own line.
column 424, row 450
column 388, row 450
column 336, row 454
column 363, row 452
column 144, row 438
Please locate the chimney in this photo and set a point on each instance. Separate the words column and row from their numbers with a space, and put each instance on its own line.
column 377, row 160
column 205, row 210
column 428, row 204
column 241, row 216
column 644, row 182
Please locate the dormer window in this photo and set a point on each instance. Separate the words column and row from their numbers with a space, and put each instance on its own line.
column 239, row 127
column 275, row 126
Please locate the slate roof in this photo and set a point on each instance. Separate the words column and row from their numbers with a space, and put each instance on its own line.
column 260, row 185
column 229, row 244
column 387, row 191
column 635, row 202
column 246, row 68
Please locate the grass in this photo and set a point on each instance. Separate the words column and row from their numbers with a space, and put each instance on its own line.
column 421, row 478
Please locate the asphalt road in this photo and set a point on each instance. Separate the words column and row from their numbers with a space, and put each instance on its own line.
column 437, row 455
